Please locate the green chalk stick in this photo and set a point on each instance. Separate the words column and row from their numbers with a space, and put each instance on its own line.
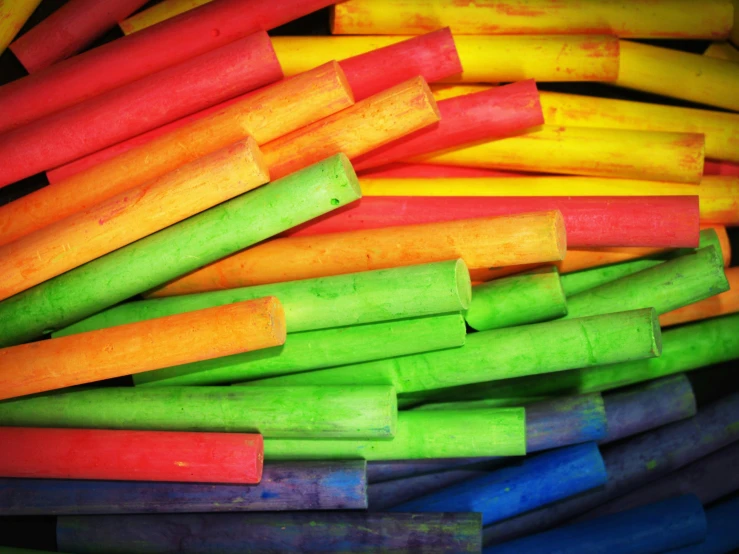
column 318, row 349
column 280, row 412
column 172, row 252
column 442, row 434
column 517, row 300
column 579, row 281
column 665, row 287
column 322, row 303
column 504, row 353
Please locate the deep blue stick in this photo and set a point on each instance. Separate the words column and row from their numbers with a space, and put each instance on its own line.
column 723, row 530
column 512, row 490
column 284, row 486
column 633, row 463
column 649, row 529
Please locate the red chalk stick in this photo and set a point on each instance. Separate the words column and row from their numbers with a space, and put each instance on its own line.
column 131, row 455
column 400, row 170
column 138, row 107
column 69, row 29
column 658, row 221
column 720, row 167
column 494, row 113
column 132, row 57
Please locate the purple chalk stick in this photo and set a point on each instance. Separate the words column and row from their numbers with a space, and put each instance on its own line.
column 274, row 532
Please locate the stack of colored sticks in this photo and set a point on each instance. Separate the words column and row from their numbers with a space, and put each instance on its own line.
column 435, row 283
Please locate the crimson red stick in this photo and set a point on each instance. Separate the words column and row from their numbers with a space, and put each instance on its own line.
column 131, row 455
column 494, row 113
column 656, row 221
column 720, row 167
column 173, row 93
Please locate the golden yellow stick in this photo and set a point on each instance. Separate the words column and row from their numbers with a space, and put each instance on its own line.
column 720, row 129
column 679, row 75
column 719, row 194
column 635, row 19
column 734, row 38
column 13, row 15
column 722, row 51
column 444, row 91
column 587, row 151
column 158, row 12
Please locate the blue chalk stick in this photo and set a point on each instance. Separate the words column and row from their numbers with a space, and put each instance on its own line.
column 723, row 530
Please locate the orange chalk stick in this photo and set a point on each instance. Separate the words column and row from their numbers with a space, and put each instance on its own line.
column 369, row 124
column 131, row 215
column 265, row 115
column 142, row 346
column 481, row 242
column 721, row 304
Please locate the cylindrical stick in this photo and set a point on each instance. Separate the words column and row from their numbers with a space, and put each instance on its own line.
column 13, row 15
column 724, row 303
column 312, row 350
column 152, row 101
column 657, row 527
column 467, row 433
column 503, row 354
column 721, row 167
column 591, row 221
column 147, row 345
column 679, row 75
column 284, row 486
column 310, row 304
column 721, row 129
column 183, row 247
column 165, row 9
column 652, row 155
column 131, row 215
column 304, row 532
column 131, row 455
column 512, row 490
column 659, row 19
column 722, row 51
column 369, row 124
column 68, row 30
column 723, row 533
column 123, row 61
column 517, row 300
column 403, row 170
column 276, row 412
column 494, row 113
column 257, row 114
column 480, row 242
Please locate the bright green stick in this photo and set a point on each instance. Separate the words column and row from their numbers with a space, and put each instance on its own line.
column 665, row 287
column 279, row 412
column 318, row 349
column 579, row 281
column 517, row 300
column 172, row 252
column 504, row 353
column 421, row 434
column 322, row 303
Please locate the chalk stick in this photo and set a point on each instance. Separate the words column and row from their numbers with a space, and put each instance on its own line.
column 156, row 13
column 90, row 74
column 284, row 486
column 516, row 489
column 722, row 535
column 322, row 303
column 722, row 304
column 131, row 455
column 666, row 287
column 117, row 351
column 183, row 247
column 653, row 155
column 503, row 354
column 13, row 15
column 721, row 129
column 151, row 155
column 709, row 478
column 68, row 30
column 480, row 242
column 590, row 221
column 252, row 533
column 517, row 300
column 368, row 124
column 155, row 100
column 678, row 74
column 277, row 412
column 131, row 215
column 656, row 527
column 420, row 435
column 722, row 51
column 311, row 350
column 720, row 167
column 402, row 170
column 634, row 463
column 661, row 19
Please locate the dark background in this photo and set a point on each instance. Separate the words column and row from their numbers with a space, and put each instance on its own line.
column 709, row 383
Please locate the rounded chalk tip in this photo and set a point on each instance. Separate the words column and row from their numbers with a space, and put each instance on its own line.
column 463, row 283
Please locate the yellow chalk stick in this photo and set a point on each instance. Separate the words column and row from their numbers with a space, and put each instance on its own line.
column 722, row 51
column 13, row 15
column 158, row 12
